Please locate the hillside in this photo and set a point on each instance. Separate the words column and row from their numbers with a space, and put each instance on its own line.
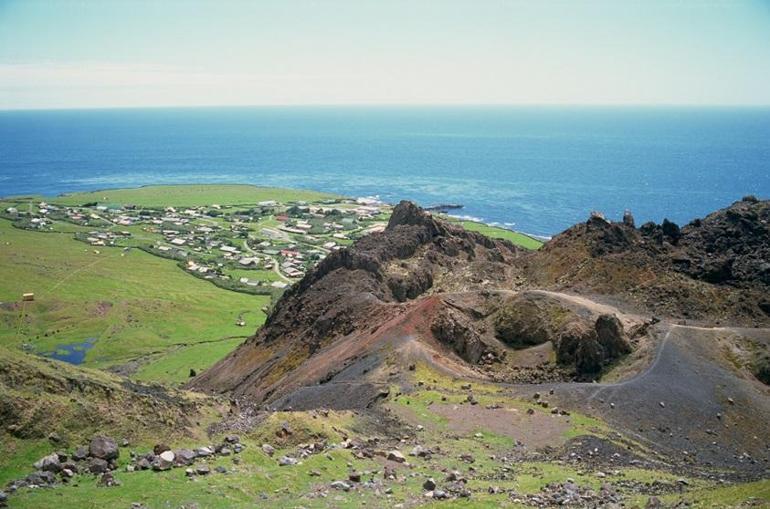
column 426, row 363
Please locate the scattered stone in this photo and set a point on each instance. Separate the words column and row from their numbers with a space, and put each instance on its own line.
column 108, row 480
column 354, row 476
column 429, row 484
column 396, row 456
column 268, row 449
column 159, row 448
column 204, row 452
column 183, row 457
column 440, row 495
column 340, row 485
column 285, row 461
column 220, row 470
column 202, row 470
column 232, row 439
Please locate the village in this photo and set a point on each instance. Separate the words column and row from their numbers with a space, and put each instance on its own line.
column 259, row 248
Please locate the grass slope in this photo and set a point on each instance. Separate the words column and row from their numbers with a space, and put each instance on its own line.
column 133, row 303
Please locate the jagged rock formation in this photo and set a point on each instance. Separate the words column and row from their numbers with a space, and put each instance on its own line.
column 715, row 269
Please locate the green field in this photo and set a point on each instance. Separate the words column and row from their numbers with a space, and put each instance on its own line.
column 191, row 195
column 495, row 232
column 136, row 305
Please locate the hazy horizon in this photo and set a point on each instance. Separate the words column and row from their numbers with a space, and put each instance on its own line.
column 117, row 54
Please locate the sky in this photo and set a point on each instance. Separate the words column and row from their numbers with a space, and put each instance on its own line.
column 109, row 53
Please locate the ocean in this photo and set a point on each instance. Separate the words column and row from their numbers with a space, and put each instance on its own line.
column 533, row 169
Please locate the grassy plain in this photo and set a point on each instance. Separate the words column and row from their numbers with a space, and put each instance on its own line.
column 495, row 232
column 191, row 195
column 133, row 303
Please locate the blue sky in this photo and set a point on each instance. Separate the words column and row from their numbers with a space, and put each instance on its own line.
column 68, row 53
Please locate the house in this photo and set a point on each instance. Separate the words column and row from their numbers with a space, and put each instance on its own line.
column 279, row 284
column 28, row 297
column 178, row 242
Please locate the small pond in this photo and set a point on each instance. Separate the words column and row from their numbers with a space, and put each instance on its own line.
column 74, row 353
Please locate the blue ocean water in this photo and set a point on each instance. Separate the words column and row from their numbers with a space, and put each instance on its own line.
column 535, row 169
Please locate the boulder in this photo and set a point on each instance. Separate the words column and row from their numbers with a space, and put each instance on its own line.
column 396, row 456
column 164, row 461
column 202, row 470
column 429, row 484
column 184, row 457
column 98, row 466
column 80, row 453
column 204, row 452
column 49, row 463
column 103, row 448
column 268, row 449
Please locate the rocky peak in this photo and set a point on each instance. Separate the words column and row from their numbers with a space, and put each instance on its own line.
column 406, row 213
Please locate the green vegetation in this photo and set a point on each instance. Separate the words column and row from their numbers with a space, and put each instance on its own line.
column 495, row 232
column 134, row 304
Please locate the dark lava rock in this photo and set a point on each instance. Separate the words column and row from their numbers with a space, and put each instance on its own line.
column 610, row 334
